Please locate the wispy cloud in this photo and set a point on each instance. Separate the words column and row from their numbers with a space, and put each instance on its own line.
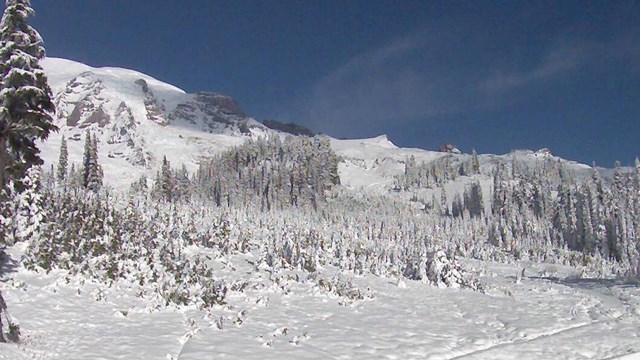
column 384, row 84
column 555, row 62
column 422, row 76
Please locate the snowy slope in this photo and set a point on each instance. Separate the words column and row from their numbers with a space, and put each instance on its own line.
column 373, row 163
column 550, row 314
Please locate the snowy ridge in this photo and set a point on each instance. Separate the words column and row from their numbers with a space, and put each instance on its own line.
column 61, row 71
column 139, row 119
column 373, row 163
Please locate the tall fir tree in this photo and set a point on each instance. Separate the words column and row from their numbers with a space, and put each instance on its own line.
column 165, row 182
column 475, row 163
column 63, row 160
column 25, row 103
column 91, row 173
column 97, row 174
column 638, row 173
column 25, row 97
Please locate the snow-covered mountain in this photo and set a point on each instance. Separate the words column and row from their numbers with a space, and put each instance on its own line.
column 139, row 119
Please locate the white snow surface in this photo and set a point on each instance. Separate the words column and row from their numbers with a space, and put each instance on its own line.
column 550, row 314
column 373, row 163
column 61, row 71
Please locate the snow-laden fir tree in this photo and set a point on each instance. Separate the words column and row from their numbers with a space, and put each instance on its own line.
column 30, row 215
column 25, row 105
column 8, row 205
column 165, row 181
column 444, row 204
column 25, row 96
column 91, row 172
column 63, row 160
column 475, row 163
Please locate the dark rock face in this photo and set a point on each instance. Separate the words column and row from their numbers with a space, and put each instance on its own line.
column 215, row 112
column 224, row 103
column 86, row 109
column 290, row 128
column 155, row 110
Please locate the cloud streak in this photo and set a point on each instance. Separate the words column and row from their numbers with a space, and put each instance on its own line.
column 381, row 84
column 426, row 75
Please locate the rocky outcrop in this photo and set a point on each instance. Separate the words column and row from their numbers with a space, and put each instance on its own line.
column 80, row 104
column 290, row 128
column 130, row 145
column 449, row 148
column 213, row 113
column 155, row 110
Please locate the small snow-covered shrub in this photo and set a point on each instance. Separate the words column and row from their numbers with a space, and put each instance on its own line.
column 343, row 288
column 443, row 271
column 440, row 270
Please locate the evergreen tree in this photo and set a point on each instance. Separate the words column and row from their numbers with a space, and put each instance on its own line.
column 63, row 160
column 30, row 215
column 618, row 180
column 8, row 207
column 165, row 180
column 182, row 183
column 637, row 174
column 86, row 159
column 74, row 177
column 475, row 163
column 91, row 172
column 473, row 199
column 25, row 105
column 97, row 174
column 444, row 204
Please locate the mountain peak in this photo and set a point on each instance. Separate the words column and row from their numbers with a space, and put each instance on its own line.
column 137, row 118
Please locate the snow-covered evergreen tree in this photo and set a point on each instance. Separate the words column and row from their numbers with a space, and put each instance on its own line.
column 91, row 171
column 30, row 213
column 25, row 106
column 475, row 163
column 63, row 160
column 165, row 183
column 25, row 96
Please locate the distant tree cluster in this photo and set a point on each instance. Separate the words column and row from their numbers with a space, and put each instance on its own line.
column 437, row 172
column 593, row 216
column 298, row 171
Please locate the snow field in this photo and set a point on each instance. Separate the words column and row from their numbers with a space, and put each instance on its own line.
column 550, row 314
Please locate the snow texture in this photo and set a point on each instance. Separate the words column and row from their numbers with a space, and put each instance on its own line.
column 543, row 317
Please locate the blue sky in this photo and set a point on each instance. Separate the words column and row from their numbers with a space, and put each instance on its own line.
column 489, row 75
